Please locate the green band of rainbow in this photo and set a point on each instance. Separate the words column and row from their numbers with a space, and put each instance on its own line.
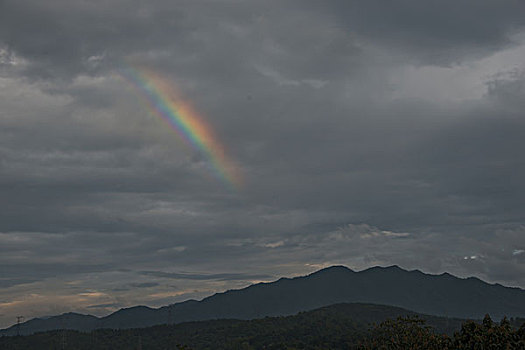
column 164, row 102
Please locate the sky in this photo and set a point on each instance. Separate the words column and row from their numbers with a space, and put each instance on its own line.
column 360, row 133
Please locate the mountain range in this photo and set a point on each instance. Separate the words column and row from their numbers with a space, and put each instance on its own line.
column 339, row 326
column 440, row 295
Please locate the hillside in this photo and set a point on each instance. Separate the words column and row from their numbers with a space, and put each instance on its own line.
column 336, row 326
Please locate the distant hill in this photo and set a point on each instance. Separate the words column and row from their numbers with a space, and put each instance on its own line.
column 69, row 320
column 338, row 326
column 443, row 295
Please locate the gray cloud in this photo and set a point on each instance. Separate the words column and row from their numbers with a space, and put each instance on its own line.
column 436, row 32
column 9, row 282
column 103, row 306
column 193, row 276
column 144, row 285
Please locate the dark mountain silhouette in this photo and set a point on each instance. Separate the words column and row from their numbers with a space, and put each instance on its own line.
column 442, row 295
column 70, row 320
column 339, row 326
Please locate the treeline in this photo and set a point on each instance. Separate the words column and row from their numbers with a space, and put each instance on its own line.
column 345, row 326
column 412, row 333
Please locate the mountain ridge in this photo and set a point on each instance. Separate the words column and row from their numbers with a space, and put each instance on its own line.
column 440, row 295
column 334, row 327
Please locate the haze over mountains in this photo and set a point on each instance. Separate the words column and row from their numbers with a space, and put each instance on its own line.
column 441, row 295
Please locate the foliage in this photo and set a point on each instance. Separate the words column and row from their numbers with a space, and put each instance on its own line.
column 411, row 333
column 406, row 333
column 489, row 335
column 334, row 327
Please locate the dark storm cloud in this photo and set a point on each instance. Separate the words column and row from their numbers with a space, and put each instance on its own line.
column 61, row 38
column 353, row 147
column 434, row 31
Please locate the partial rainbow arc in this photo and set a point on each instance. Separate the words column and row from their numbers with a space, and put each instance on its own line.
column 165, row 102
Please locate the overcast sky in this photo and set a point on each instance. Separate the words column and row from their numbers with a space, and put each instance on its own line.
column 366, row 133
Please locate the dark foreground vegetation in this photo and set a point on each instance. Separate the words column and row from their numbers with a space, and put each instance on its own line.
column 343, row 326
column 412, row 333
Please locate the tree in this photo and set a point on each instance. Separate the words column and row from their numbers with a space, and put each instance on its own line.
column 489, row 335
column 406, row 333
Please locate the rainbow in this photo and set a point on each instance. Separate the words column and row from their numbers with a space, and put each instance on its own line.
column 164, row 101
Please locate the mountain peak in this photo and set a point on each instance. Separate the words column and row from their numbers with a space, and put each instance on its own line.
column 392, row 268
column 335, row 270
